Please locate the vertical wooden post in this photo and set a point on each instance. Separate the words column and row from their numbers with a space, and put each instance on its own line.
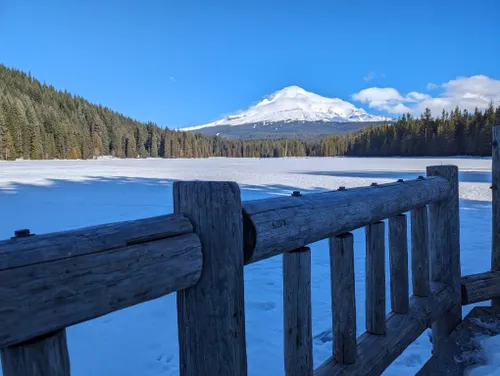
column 297, row 312
column 375, row 278
column 398, row 260
column 343, row 298
column 43, row 356
column 444, row 236
column 46, row 355
column 420, row 252
column 211, row 314
column 495, row 204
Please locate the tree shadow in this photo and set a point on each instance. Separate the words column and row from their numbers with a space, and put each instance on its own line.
column 463, row 176
column 59, row 204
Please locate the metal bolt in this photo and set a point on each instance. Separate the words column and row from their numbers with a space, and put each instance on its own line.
column 22, row 233
column 296, row 194
column 374, row 184
column 400, row 180
column 342, row 188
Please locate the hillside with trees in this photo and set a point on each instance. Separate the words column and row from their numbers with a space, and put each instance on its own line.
column 455, row 133
column 39, row 122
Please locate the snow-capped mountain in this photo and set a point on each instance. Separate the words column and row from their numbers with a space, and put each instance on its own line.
column 292, row 105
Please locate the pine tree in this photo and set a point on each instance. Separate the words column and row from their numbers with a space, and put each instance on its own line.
column 3, row 134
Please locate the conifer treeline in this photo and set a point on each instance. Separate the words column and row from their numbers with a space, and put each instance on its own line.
column 455, row 133
column 39, row 122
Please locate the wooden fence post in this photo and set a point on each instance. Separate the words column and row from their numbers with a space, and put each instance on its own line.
column 46, row 355
column 297, row 312
column 495, row 205
column 444, row 236
column 420, row 252
column 398, row 260
column 343, row 298
column 43, row 356
column 375, row 278
column 211, row 314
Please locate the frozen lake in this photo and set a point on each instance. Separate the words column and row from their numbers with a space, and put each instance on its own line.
column 47, row 196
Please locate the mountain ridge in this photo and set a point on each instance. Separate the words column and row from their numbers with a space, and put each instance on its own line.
column 293, row 104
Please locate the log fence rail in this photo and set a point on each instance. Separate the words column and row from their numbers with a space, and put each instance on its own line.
column 49, row 282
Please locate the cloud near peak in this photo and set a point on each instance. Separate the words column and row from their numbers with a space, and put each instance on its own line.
column 464, row 92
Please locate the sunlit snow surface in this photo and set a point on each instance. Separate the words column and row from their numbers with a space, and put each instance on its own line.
column 50, row 196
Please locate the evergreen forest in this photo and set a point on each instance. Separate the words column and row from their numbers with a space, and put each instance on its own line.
column 39, row 122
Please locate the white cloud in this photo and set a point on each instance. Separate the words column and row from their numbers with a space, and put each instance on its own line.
column 383, row 99
column 414, row 96
column 172, row 78
column 372, row 75
column 464, row 92
column 377, row 94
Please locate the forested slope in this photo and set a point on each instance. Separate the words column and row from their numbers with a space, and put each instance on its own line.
column 39, row 122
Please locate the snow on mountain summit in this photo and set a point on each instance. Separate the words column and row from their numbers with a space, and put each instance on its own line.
column 293, row 104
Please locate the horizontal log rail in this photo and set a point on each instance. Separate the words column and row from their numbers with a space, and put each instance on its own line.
column 480, row 287
column 49, row 282
column 276, row 225
column 18, row 252
column 58, row 280
column 375, row 352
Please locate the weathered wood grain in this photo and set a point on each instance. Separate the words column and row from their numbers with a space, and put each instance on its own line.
column 398, row 260
column 297, row 312
column 495, row 205
column 44, row 297
column 211, row 314
column 59, row 245
column 343, row 297
column 277, row 225
column 375, row 278
column 420, row 251
column 375, row 352
column 43, row 356
column 480, row 287
column 444, row 241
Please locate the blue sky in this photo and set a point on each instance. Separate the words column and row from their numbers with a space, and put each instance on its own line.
column 182, row 63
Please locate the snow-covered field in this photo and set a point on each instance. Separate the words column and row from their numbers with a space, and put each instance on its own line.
column 47, row 196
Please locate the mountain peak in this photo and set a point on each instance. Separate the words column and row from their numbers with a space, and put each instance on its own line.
column 294, row 104
column 291, row 91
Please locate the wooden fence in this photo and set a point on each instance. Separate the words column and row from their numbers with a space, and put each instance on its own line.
column 49, row 282
column 485, row 286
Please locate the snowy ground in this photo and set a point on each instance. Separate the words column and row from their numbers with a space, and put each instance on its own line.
column 142, row 340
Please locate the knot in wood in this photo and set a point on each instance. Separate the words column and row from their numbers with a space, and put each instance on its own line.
column 296, row 194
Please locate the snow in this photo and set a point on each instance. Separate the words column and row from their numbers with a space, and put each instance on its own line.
column 48, row 196
column 485, row 352
column 295, row 104
column 490, row 355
